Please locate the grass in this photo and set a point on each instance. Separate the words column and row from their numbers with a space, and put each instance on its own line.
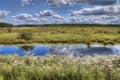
column 60, row 68
column 62, row 34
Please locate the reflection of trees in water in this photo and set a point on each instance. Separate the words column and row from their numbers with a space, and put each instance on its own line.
column 27, row 48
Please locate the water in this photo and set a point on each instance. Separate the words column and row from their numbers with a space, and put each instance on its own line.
column 74, row 50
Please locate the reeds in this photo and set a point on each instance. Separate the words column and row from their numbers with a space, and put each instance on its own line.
column 60, row 68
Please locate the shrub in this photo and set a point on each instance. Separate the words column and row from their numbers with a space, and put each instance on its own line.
column 26, row 35
column 9, row 29
column 118, row 32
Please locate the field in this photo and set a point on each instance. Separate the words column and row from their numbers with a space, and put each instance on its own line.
column 60, row 68
column 61, row 34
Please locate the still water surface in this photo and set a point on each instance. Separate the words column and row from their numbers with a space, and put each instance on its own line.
column 74, row 50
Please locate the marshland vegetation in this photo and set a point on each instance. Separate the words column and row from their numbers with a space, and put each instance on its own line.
column 60, row 68
column 71, row 34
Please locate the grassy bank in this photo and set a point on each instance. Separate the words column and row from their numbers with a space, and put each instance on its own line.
column 61, row 34
column 60, row 68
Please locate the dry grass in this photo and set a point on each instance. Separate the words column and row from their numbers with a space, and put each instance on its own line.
column 60, row 68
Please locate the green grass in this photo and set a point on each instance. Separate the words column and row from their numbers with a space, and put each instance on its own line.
column 60, row 68
column 62, row 34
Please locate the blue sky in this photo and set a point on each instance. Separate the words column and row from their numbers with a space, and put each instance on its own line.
column 60, row 11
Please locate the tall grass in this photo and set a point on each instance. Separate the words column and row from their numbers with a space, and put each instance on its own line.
column 60, row 68
column 61, row 34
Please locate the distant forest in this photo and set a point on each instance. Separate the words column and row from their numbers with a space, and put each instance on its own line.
column 7, row 25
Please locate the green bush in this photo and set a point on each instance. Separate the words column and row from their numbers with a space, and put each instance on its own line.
column 26, row 35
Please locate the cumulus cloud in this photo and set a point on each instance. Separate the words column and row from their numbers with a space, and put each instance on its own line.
column 51, row 17
column 45, row 13
column 114, row 21
column 91, row 2
column 104, row 14
column 57, row 16
column 59, row 2
column 110, row 17
column 46, row 16
column 106, row 10
column 69, row 2
column 97, row 2
column 24, row 2
column 3, row 15
column 24, row 18
column 77, row 20
column 48, row 13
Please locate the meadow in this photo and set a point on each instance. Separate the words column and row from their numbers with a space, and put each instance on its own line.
column 60, row 68
column 70, row 34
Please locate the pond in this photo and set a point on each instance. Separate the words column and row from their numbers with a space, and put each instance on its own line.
column 74, row 50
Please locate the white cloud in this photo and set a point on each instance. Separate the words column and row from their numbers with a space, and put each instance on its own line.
column 24, row 2
column 97, row 2
column 91, row 2
column 103, row 14
column 24, row 18
column 77, row 20
column 114, row 21
column 57, row 16
column 68, row 2
column 100, row 10
column 45, row 13
column 110, row 17
column 59, row 2
column 46, row 16
column 3, row 15
column 51, row 17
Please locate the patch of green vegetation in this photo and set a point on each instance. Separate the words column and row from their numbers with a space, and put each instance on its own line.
column 26, row 35
column 61, row 34
column 60, row 68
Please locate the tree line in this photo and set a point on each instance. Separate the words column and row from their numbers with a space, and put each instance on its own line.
column 8, row 25
column 70, row 25
column 5, row 25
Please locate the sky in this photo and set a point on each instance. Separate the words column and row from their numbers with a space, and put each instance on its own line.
column 60, row 11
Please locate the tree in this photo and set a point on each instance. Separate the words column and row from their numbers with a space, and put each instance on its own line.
column 5, row 25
